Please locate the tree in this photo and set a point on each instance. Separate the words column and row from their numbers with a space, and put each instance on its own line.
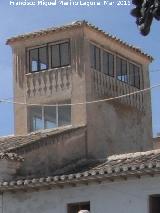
column 145, row 11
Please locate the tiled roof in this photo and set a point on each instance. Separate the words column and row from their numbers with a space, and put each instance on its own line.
column 75, row 25
column 10, row 143
column 117, row 166
column 11, row 156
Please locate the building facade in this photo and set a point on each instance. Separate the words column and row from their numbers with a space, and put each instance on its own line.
column 60, row 72
column 124, row 183
column 78, row 107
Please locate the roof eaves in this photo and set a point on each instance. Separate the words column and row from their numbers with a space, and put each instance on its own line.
column 43, row 32
column 77, row 24
column 92, row 175
column 114, row 38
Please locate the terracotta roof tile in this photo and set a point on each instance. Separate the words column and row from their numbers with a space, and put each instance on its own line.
column 74, row 25
column 11, row 156
column 133, row 164
column 10, row 143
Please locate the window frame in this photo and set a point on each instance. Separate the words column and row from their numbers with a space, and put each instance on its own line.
column 94, row 65
column 108, row 54
column 59, row 47
column 31, row 126
column 29, row 58
column 48, row 55
column 122, row 59
column 139, row 76
column 70, row 205
column 115, row 55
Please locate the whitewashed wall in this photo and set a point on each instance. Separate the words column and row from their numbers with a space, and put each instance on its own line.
column 123, row 197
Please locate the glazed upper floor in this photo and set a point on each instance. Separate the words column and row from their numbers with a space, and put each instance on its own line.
column 79, row 45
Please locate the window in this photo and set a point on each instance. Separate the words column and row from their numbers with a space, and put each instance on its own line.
column 60, row 55
column 64, row 115
column 50, row 117
column 38, row 59
column 75, row 207
column 154, row 204
column 108, row 64
column 95, row 57
column 36, row 118
column 134, row 75
column 121, row 69
column 47, row 117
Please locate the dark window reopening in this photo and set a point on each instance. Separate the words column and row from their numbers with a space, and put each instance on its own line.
column 154, row 204
column 134, row 75
column 76, row 207
column 38, row 59
column 95, row 57
column 121, row 69
column 108, row 64
column 60, row 55
column 46, row 117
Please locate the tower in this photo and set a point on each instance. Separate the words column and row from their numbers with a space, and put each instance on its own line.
column 60, row 72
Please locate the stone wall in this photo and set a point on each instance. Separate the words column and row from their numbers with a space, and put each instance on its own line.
column 45, row 156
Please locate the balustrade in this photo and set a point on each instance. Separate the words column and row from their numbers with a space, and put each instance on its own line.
column 47, row 82
column 107, row 86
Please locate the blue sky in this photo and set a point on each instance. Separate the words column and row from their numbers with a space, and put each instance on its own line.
column 113, row 19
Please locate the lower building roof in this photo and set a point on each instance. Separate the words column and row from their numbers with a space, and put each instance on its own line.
column 116, row 166
column 12, row 143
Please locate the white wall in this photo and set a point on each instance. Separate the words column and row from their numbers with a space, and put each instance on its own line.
column 122, row 197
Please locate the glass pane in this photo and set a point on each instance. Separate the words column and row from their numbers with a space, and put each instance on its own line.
column 50, row 118
column 92, row 56
column 64, row 115
column 118, row 69
column 124, row 71
column 64, row 49
column 105, row 63
column 111, row 65
column 131, row 74
column 36, row 121
column 43, row 58
column 55, row 60
column 98, row 60
column 33, row 54
column 137, row 77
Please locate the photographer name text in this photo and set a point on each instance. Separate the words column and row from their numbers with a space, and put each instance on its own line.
column 39, row 3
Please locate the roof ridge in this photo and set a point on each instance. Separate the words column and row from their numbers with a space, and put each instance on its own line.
column 132, row 155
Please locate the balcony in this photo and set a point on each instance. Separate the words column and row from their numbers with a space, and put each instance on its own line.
column 106, row 86
column 49, row 82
